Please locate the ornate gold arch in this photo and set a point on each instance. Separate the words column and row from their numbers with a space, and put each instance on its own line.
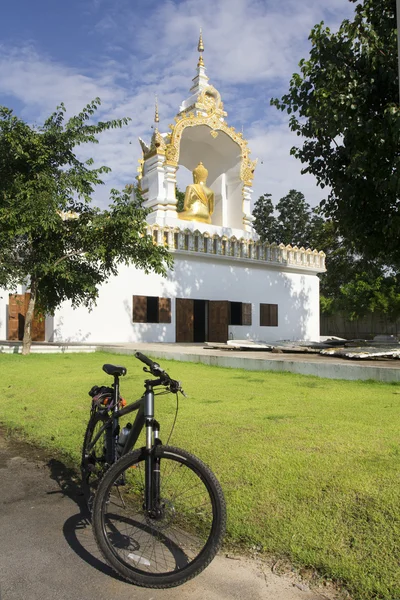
column 211, row 104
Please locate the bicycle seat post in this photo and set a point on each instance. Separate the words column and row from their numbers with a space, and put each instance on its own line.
column 116, row 392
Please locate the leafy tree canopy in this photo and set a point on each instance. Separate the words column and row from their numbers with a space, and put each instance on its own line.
column 51, row 238
column 294, row 223
column 354, row 284
column 345, row 103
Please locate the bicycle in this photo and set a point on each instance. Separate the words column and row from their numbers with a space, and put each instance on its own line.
column 158, row 512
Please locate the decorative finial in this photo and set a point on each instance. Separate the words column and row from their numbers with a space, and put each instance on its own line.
column 156, row 116
column 200, row 48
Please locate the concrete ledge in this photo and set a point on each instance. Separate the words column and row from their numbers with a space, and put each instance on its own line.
column 43, row 348
column 320, row 367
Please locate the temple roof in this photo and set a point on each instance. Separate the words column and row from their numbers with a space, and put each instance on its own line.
column 203, row 95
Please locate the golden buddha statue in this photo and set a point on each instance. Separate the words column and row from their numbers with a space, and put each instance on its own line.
column 198, row 204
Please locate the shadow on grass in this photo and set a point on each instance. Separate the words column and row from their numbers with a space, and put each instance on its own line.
column 77, row 529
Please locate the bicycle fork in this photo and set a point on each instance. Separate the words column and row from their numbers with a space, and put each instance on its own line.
column 152, row 463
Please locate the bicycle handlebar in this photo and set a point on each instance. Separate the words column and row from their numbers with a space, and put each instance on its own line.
column 147, row 361
column 157, row 371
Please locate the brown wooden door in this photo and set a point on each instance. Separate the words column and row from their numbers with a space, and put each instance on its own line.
column 16, row 316
column 184, row 314
column 218, row 320
column 17, row 308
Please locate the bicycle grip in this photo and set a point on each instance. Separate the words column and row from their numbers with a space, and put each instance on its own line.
column 146, row 360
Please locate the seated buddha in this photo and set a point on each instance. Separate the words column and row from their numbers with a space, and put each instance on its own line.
column 198, row 204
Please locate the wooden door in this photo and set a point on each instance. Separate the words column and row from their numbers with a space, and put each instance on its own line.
column 184, row 315
column 17, row 308
column 16, row 316
column 218, row 320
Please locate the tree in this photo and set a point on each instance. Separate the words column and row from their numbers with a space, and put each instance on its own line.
column 265, row 222
column 294, row 219
column 294, row 223
column 345, row 104
column 180, row 196
column 353, row 284
column 51, row 238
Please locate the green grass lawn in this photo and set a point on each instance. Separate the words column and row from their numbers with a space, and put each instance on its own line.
column 310, row 467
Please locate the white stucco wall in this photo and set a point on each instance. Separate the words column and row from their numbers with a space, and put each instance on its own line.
column 297, row 296
column 3, row 314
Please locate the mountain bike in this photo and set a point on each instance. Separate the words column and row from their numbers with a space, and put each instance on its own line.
column 158, row 512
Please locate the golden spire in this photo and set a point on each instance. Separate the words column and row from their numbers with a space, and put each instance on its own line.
column 156, row 116
column 200, row 48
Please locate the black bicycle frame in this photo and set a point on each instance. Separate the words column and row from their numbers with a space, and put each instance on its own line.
column 144, row 418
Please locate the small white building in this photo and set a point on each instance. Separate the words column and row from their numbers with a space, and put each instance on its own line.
column 225, row 284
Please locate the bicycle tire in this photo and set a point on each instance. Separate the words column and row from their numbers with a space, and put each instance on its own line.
column 167, row 551
column 93, row 463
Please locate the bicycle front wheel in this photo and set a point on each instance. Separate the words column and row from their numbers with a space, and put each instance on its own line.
column 177, row 544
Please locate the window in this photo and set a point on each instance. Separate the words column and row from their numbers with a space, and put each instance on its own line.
column 151, row 309
column 240, row 313
column 269, row 315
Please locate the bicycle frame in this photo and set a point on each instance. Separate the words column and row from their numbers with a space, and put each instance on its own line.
column 144, row 418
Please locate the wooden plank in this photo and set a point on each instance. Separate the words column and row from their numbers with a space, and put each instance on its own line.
column 218, row 320
column 164, row 310
column 139, row 309
column 246, row 313
column 184, row 320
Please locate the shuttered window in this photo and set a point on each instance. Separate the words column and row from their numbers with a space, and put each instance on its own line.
column 240, row 313
column 151, row 309
column 246, row 313
column 269, row 315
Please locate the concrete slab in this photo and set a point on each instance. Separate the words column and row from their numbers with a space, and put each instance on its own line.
column 304, row 364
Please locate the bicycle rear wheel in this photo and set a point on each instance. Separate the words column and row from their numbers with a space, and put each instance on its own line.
column 94, row 459
column 169, row 549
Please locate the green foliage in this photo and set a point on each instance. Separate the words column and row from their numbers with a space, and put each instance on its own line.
column 180, row 196
column 265, row 222
column 51, row 238
column 345, row 103
column 309, row 466
column 295, row 223
column 353, row 284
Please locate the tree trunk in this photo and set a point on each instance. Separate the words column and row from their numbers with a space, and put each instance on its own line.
column 27, row 340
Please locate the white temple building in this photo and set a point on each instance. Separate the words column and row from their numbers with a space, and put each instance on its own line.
column 225, row 284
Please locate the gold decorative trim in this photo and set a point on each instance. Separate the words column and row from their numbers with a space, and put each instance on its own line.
column 213, row 120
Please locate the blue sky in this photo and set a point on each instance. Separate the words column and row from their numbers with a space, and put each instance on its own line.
column 126, row 51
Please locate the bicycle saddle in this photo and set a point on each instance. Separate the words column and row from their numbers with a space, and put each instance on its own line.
column 114, row 370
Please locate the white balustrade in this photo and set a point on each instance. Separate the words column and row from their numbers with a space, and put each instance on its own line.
column 244, row 249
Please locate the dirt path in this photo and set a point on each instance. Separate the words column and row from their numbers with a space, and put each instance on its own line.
column 47, row 551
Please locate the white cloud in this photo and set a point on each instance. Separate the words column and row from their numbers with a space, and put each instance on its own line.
column 252, row 48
